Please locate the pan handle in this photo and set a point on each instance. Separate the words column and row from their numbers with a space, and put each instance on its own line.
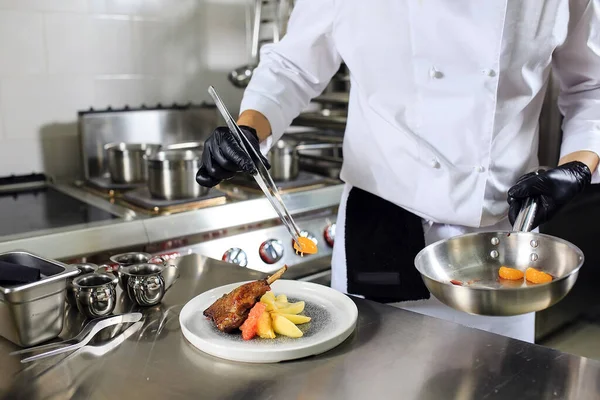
column 524, row 221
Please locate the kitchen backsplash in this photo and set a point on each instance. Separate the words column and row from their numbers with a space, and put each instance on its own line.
column 61, row 56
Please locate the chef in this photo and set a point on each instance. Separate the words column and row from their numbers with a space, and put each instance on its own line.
column 442, row 126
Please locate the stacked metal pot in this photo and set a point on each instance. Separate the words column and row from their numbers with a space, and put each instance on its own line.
column 169, row 171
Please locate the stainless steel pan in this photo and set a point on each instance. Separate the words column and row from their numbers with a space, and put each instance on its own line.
column 462, row 272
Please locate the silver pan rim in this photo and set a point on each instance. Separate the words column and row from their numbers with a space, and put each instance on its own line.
column 475, row 288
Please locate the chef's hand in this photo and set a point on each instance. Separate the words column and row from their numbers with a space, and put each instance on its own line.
column 552, row 189
column 223, row 156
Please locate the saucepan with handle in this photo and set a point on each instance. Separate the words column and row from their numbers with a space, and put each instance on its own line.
column 462, row 272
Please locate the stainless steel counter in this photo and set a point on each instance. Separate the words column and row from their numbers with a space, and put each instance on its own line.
column 392, row 354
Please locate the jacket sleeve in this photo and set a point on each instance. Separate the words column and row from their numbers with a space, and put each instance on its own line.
column 295, row 70
column 576, row 64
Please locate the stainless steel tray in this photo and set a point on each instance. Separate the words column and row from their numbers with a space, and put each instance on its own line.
column 33, row 313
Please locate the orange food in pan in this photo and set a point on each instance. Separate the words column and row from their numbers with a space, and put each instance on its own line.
column 536, row 276
column 511, row 274
column 305, row 245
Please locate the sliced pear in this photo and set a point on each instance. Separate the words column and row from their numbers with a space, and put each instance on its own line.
column 281, row 298
column 282, row 304
column 296, row 319
column 268, row 296
column 264, row 328
column 285, row 327
column 268, row 299
column 292, row 308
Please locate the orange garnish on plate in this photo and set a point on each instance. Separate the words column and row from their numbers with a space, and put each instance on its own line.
column 536, row 276
column 510, row 274
column 305, row 245
column 250, row 327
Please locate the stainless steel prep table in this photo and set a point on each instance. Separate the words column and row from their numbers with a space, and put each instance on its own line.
column 392, row 354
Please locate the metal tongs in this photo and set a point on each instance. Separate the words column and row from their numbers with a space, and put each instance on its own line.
column 262, row 176
column 82, row 339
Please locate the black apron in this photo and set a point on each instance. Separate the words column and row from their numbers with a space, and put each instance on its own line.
column 382, row 241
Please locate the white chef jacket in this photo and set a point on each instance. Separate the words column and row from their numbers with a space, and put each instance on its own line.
column 445, row 95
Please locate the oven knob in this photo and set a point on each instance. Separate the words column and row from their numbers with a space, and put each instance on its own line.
column 235, row 256
column 329, row 235
column 271, row 251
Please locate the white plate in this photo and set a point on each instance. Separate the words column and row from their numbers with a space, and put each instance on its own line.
column 333, row 318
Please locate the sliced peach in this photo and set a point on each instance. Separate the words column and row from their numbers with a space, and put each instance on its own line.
column 536, row 276
column 511, row 274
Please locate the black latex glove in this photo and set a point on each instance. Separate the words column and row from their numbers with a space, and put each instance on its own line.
column 551, row 189
column 223, row 157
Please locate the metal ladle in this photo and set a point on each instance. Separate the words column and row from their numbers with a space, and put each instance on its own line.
column 240, row 77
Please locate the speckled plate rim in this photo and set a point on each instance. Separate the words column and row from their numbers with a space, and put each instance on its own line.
column 343, row 307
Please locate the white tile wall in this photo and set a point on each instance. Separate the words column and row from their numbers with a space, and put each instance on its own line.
column 14, row 152
column 111, row 45
column 61, row 56
column 21, row 43
column 29, row 103
column 131, row 7
column 129, row 90
column 68, row 43
column 223, row 45
column 45, row 5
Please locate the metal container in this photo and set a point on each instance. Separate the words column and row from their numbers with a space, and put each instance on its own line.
column 126, row 162
column 125, row 259
column 146, row 283
column 95, row 294
column 172, row 174
column 34, row 312
column 84, row 268
column 283, row 158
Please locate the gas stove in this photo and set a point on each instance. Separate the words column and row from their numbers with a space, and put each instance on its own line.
column 30, row 204
column 243, row 232
column 137, row 197
column 233, row 222
column 105, row 187
column 267, row 247
column 141, row 200
column 304, row 181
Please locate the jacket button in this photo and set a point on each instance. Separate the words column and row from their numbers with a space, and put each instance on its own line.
column 434, row 163
column 479, row 168
column 435, row 74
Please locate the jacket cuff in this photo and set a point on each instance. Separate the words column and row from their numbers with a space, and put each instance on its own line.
column 583, row 141
column 271, row 110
